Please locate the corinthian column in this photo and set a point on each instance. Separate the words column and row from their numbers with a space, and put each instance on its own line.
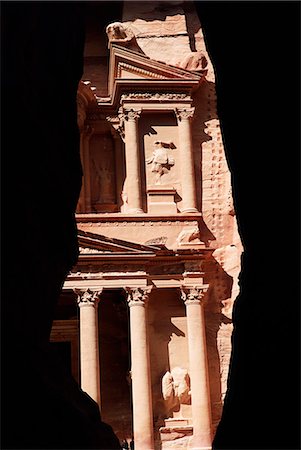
column 89, row 347
column 187, row 160
column 141, row 379
column 198, row 365
column 132, row 161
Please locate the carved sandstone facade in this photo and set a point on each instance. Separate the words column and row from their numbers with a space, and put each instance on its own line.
column 159, row 249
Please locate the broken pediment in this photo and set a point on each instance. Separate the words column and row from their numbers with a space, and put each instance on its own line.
column 127, row 64
column 98, row 244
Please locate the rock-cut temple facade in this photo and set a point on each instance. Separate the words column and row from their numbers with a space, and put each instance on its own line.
column 144, row 319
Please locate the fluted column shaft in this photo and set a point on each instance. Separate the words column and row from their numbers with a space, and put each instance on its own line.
column 140, row 370
column 189, row 197
column 198, row 369
column 89, row 342
column 132, row 161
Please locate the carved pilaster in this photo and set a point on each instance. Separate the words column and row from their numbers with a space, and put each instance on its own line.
column 86, row 297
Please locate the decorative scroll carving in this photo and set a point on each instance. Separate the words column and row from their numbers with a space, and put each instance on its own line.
column 157, row 96
column 184, row 114
column 86, row 297
column 176, row 388
column 194, row 295
column 138, row 296
column 161, row 161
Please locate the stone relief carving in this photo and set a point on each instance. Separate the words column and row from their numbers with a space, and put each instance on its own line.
column 157, row 96
column 105, row 181
column 118, row 32
column 132, row 114
column 193, row 294
column 157, row 240
column 195, row 61
column 188, row 235
column 138, row 295
column 184, row 114
column 160, row 160
column 87, row 297
column 176, row 389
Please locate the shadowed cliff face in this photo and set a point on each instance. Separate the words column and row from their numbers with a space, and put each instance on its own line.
column 42, row 46
column 249, row 45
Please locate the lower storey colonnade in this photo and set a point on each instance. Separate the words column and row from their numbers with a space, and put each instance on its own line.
column 138, row 303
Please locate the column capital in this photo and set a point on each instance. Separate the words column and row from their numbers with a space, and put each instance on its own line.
column 193, row 295
column 131, row 115
column 86, row 297
column 138, row 296
column 184, row 113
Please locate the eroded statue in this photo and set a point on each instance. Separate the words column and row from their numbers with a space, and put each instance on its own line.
column 195, row 61
column 161, row 161
column 118, row 32
column 176, row 388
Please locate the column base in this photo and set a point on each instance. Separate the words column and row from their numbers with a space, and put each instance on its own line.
column 189, row 210
column 134, row 211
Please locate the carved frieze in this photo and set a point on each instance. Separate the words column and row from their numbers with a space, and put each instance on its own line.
column 155, row 96
column 166, row 269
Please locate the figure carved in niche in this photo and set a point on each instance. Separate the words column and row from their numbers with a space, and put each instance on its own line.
column 161, row 161
column 105, row 181
column 176, row 389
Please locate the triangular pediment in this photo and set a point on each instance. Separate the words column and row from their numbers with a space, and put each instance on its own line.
column 126, row 64
column 100, row 244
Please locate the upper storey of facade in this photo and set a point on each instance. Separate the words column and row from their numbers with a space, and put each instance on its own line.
column 137, row 150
